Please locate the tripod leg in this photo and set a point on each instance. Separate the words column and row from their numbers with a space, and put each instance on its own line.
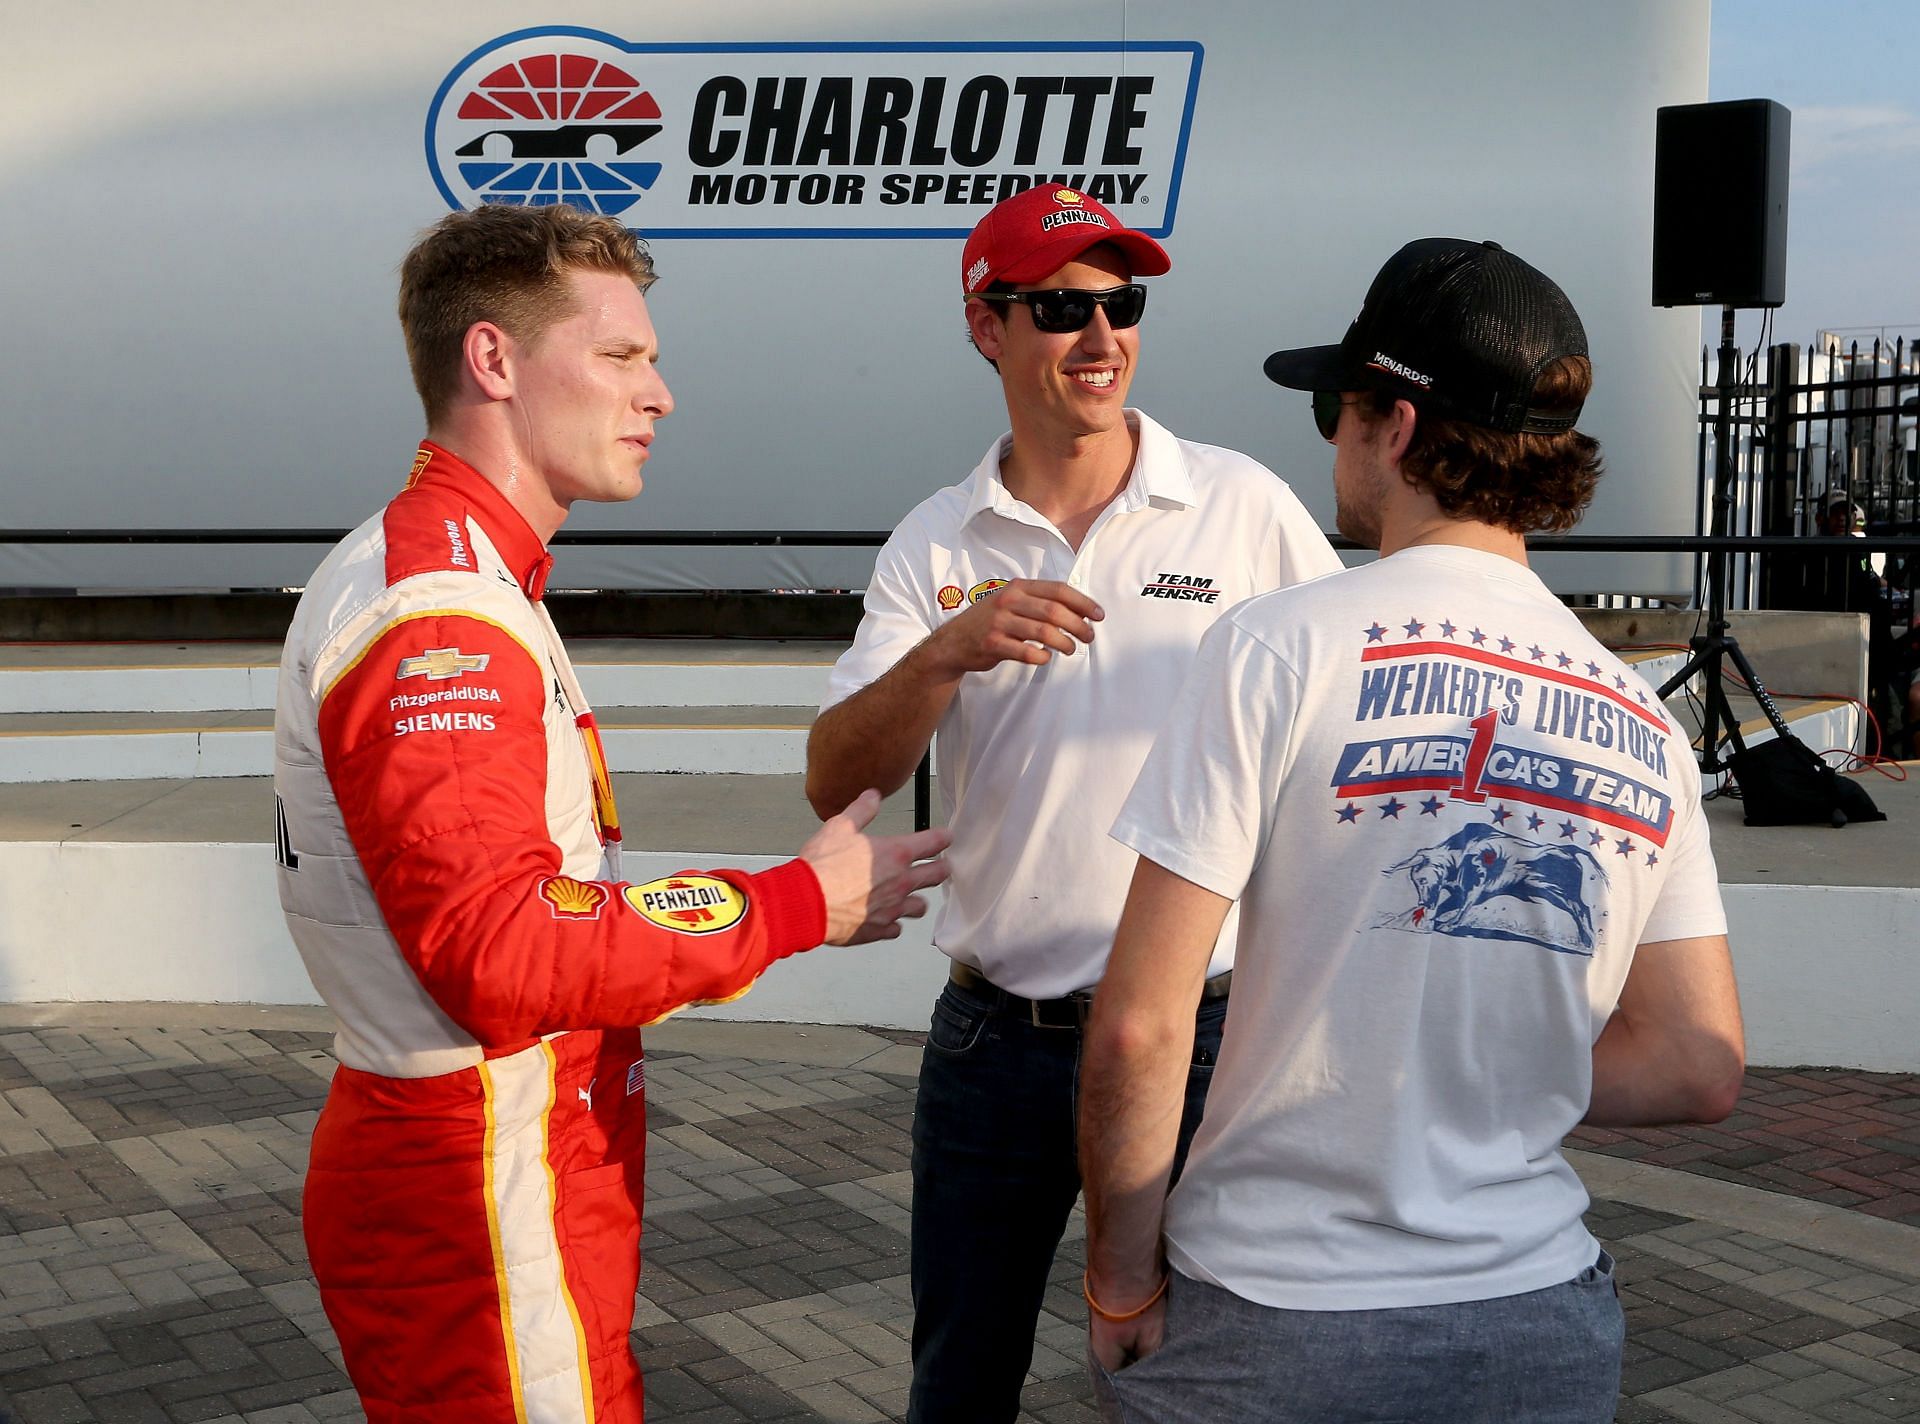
column 1679, row 679
column 1760, row 693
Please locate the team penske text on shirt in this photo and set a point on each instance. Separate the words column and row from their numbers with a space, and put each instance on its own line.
column 1187, row 588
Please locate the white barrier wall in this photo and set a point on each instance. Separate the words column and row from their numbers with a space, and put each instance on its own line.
column 217, row 196
column 1827, row 974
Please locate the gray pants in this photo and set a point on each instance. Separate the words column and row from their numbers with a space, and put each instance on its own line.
column 1546, row 1357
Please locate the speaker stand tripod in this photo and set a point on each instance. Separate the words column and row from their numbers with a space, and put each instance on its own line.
column 1713, row 647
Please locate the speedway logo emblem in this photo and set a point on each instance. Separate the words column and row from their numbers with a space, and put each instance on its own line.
column 812, row 140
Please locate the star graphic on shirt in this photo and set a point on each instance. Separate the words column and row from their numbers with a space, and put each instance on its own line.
column 1623, row 846
column 1537, row 653
column 1501, row 815
column 1593, row 669
column 1652, row 859
column 1477, row 636
column 1568, row 830
column 1431, row 806
column 1594, row 838
column 1643, row 698
column 1563, row 659
column 1391, row 811
column 1506, row 645
column 1535, row 821
column 1376, row 633
column 1348, row 814
column 1414, row 627
column 1620, row 682
column 1447, row 630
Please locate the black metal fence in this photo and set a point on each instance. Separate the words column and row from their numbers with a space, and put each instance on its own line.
column 1824, row 455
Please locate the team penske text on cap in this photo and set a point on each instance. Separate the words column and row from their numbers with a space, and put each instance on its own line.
column 1034, row 233
column 1465, row 328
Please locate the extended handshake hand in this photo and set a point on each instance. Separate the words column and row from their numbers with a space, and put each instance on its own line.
column 871, row 882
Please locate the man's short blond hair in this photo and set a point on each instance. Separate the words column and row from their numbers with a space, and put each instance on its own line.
column 505, row 265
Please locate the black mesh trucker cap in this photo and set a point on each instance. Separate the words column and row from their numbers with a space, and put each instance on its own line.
column 1463, row 328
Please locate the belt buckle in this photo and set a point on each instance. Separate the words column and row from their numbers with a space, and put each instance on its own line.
column 1081, row 1000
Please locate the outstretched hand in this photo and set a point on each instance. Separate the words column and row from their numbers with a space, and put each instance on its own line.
column 1026, row 621
column 870, row 883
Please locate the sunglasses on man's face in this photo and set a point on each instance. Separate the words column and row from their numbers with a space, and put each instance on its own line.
column 1326, row 412
column 1063, row 309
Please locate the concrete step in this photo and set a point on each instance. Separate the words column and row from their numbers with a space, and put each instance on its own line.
column 222, row 677
column 116, row 746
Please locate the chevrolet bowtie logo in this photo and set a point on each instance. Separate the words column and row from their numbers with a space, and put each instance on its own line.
column 439, row 664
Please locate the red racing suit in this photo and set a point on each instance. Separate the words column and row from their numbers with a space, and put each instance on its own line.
column 449, row 867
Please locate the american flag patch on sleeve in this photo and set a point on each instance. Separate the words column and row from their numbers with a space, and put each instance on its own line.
column 637, row 1077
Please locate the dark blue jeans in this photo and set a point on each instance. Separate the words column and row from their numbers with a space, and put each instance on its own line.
column 995, row 1176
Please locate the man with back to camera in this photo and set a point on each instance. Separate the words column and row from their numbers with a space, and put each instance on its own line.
column 449, row 854
column 1087, row 512
column 1478, row 906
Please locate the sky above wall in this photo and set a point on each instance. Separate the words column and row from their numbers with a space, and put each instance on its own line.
column 1849, row 70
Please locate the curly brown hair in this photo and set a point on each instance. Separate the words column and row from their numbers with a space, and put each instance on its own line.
column 504, row 265
column 1526, row 483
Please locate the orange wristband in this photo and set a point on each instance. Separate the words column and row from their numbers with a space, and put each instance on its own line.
column 1120, row 1317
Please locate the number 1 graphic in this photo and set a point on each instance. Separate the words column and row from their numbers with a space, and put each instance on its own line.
column 1477, row 750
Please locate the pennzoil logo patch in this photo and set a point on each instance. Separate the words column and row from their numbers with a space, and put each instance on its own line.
column 982, row 589
column 439, row 664
column 951, row 597
column 571, row 899
column 689, row 904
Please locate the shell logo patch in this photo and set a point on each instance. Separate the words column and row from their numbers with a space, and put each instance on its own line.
column 571, row 899
column 1067, row 198
column 984, row 588
column 689, row 904
column 951, row 597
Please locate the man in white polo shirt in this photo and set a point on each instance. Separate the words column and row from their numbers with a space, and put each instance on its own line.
column 1039, row 614
column 1477, row 902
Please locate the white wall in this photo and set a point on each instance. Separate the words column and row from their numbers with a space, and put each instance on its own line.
column 1827, row 974
column 208, row 203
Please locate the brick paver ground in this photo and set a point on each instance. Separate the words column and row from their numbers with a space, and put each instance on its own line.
column 1828, row 1135
column 152, row 1269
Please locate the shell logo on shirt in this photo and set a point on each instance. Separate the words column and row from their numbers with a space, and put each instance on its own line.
column 689, row 904
column 950, row 597
column 983, row 588
column 571, row 899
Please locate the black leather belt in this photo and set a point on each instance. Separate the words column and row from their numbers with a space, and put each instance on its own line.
column 1068, row 1012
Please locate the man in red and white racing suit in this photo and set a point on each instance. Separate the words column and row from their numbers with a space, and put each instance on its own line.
column 449, row 867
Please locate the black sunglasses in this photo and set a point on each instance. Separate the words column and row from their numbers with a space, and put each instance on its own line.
column 1071, row 308
column 1326, row 412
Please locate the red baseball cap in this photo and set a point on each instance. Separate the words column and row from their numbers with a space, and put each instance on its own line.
column 1027, row 236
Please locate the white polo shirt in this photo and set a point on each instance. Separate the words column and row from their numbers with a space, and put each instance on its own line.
column 1035, row 762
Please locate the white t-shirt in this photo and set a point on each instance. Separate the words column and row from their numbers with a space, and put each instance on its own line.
column 1449, row 816
column 1035, row 761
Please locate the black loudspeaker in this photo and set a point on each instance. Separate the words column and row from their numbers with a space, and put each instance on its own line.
column 1720, row 204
